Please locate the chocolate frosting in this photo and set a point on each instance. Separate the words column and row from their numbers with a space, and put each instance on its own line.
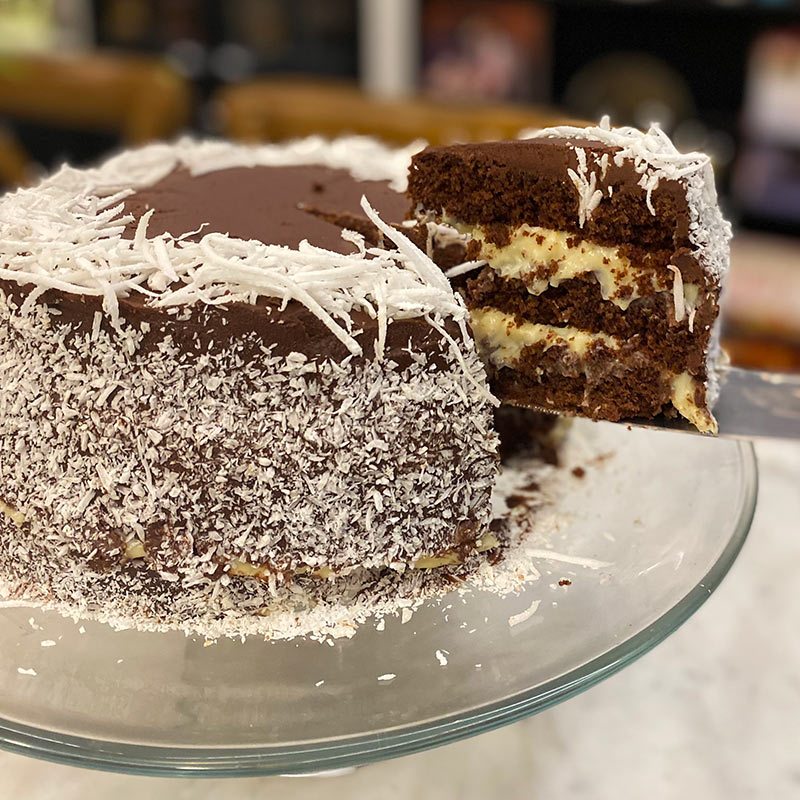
column 264, row 203
column 268, row 204
column 203, row 329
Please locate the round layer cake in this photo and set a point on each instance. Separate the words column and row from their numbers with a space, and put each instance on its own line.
column 207, row 388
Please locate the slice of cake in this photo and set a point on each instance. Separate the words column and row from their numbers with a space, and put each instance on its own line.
column 604, row 251
column 194, row 397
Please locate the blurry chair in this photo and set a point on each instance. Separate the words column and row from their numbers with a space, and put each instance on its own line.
column 14, row 163
column 285, row 108
column 137, row 98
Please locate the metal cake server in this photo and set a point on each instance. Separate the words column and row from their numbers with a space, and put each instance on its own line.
column 751, row 405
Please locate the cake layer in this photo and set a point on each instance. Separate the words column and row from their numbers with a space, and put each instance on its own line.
column 648, row 323
column 501, row 185
column 574, row 370
column 595, row 338
column 503, row 338
column 543, row 258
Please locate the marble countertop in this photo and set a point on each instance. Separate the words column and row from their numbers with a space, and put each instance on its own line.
column 713, row 712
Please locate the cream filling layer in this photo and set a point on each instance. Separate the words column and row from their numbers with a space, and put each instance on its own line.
column 15, row 516
column 135, row 549
column 530, row 246
column 683, row 391
column 487, row 542
column 501, row 339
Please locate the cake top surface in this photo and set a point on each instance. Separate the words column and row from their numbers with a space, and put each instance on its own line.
column 266, row 203
column 650, row 150
column 547, row 149
column 542, row 156
column 73, row 233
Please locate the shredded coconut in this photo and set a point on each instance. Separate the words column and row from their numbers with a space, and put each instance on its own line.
column 67, row 234
column 523, row 616
column 327, row 609
column 589, row 196
column 463, row 269
column 655, row 158
column 678, row 298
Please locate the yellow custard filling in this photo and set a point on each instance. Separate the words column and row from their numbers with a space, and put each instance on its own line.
column 568, row 257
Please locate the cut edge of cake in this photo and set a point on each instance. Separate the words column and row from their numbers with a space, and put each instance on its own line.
column 605, row 250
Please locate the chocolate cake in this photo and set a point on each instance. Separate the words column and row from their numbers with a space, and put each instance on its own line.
column 204, row 386
column 604, row 251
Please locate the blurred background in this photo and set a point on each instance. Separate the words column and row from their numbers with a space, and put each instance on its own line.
column 80, row 78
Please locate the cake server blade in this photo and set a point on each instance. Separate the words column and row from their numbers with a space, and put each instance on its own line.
column 751, row 405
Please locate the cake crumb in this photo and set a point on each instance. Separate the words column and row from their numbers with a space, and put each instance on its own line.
column 514, row 500
column 380, row 624
column 565, row 582
column 23, row 671
column 47, row 643
column 387, row 676
column 578, row 472
column 441, row 657
column 319, row 683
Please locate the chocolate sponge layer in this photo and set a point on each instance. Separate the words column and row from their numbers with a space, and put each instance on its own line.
column 508, row 183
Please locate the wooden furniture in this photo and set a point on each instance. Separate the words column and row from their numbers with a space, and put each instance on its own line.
column 275, row 109
column 14, row 163
column 137, row 98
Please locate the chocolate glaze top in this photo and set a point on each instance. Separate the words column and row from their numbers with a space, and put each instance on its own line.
column 251, row 328
column 546, row 156
column 263, row 203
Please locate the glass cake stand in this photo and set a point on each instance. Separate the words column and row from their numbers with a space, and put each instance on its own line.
column 669, row 512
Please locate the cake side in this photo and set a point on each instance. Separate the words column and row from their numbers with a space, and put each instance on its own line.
column 202, row 406
column 163, row 442
column 604, row 253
